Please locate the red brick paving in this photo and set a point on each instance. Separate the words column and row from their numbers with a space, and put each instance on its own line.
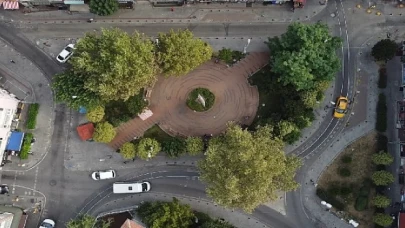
column 234, row 100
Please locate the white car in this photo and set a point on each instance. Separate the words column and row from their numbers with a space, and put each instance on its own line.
column 102, row 175
column 47, row 223
column 66, row 53
column 124, row 187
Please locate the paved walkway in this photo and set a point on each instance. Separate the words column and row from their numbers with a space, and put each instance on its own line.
column 234, row 100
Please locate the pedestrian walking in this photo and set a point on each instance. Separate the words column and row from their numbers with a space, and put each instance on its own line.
column 12, row 61
column 133, row 159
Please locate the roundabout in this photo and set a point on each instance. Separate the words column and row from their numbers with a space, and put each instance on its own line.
column 234, row 98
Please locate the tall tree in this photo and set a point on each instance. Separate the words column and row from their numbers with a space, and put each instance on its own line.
column 114, row 64
column 382, row 178
column 166, row 214
column 87, row 221
column 306, row 53
column 179, row 52
column 194, row 145
column 243, row 169
column 103, row 7
column 383, row 220
column 69, row 88
column 148, row 148
column 128, row 150
column 96, row 114
column 382, row 158
column 104, row 132
column 384, row 50
column 381, row 201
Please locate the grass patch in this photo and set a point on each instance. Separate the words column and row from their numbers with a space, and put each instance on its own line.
column 361, row 169
column 157, row 133
column 381, row 123
column 26, row 146
column 382, row 79
column 32, row 116
column 194, row 104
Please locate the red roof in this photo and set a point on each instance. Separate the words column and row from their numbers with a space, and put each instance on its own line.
column 131, row 224
column 85, row 131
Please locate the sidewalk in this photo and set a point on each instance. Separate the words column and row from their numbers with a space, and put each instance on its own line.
column 25, row 79
column 144, row 12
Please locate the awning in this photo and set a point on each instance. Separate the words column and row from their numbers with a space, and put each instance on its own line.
column 10, row 5
column 15, row 141
column 145, row 114
column 85, row 131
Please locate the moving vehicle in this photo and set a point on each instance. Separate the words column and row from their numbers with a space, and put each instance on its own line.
column 103, row 175
column 3, row 189
column 66, row 53
column 341, row 107
column 47, row 223
column 123, row 187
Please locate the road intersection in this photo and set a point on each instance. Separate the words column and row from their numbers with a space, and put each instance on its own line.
column 62, row 186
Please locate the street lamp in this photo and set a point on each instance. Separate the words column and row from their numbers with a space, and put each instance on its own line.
column 245, row 47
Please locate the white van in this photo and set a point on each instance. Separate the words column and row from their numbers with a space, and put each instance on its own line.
column 124, row 187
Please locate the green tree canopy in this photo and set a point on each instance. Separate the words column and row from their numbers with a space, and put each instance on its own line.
column 87, row 221
column 174, row 146
column 384, row 50
column 148, row 148
column 166, row 214
column 382, row 158
column 382, row 178
column 114, row 64
column 103, row 7
column 128, row 150
column 96, row 114
column 104, row 132
column 194, row 145
column 381, row 201
column 243, row 169
column 69, row 88
column 306, row 53
column 179, row 52
column 382, row 219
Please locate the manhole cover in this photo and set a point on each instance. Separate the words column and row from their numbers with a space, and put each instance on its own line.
column 52, row 183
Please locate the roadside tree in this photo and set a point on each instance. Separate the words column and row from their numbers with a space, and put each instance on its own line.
column 128, row 150
column 148, row 148
column 244, row 169
column 103, row 7
column 381, row 201
column 166, row 214
column 382, row 158
column 306, row 53
column 87, row 221
column 104, row 132
column 383, row 220
column 174, row 146
column 179, row 52
column 382, row 178
column 384, row 50
column 96, row 114
column 194, row 145
column 116, row 65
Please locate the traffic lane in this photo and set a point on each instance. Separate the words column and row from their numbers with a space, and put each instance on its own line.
column 199, row 30
column 273, row 218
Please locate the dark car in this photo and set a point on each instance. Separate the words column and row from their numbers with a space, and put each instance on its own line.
column 3, row 189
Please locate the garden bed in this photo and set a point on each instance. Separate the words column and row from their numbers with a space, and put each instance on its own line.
column 358, row 182
column 32, row 116
column 193, row 101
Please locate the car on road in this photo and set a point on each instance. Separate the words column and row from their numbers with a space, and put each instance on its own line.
column 66, row 53
column 47, row 223
column 341, row 107
column 103, row 175
column 3, row 189
column 124, row 187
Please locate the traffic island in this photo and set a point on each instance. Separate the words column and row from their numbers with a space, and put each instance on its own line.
column 200, row 100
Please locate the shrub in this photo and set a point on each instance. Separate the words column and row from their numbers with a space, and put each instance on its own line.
column 383, row 220
column 361, row 203
column 225, row 54
column 382, row 79
column 103, row 7
column 344, row 172
column 32, row 116
column 117, row 120
column 381, row 123
column 128, row 150
column 194, row 145
column 174, row 147
column 347, row 159
column 382, row 142
column 104, row 132
column 96, row 114
column 26, row 146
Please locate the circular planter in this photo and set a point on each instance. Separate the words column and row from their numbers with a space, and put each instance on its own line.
column 194, row 104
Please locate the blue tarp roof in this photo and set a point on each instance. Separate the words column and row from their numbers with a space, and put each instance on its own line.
column 15, row 141
column 82, row 110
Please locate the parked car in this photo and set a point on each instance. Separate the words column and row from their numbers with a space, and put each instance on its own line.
column 66, row 53
column 123, row 187
column 341, row 107
column 3, row 189
column 103, row 175
column 47, row 223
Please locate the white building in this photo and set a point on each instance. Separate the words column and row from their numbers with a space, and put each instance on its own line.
column 8, row 108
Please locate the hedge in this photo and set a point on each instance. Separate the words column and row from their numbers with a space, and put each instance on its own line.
column 381, row 124
column 26, row 146
column 323, row 195
column 32, row 116
column 382, row 79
